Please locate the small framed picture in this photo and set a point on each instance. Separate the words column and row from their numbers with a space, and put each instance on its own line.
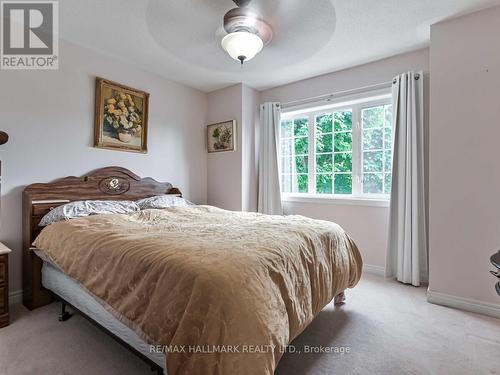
column 221, row 137
column 121, row 117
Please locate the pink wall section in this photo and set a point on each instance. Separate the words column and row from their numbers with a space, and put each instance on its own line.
column 366, row 225
column 232, row 176
column 465, row 156
column 224, row 169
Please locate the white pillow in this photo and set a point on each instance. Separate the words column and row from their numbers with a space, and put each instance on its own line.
column 162, row 201
column 86, row 208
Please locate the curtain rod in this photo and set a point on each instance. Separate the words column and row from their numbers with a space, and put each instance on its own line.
column 330, row 96
column 337, row 94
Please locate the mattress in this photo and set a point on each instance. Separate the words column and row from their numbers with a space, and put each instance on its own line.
column 68, row 289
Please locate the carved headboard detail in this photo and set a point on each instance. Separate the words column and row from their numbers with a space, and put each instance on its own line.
column 111, row 183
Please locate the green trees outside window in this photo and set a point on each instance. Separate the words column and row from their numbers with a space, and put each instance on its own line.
column 377, row 149
column 294, row 139
column 334, row 153
column 325, row 153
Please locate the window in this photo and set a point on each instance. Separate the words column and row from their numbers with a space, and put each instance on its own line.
column 377, row 149
column 334, row 152
column 294, row 140
column 341, row 150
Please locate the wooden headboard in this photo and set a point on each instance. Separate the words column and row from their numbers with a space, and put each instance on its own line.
column 111, row 183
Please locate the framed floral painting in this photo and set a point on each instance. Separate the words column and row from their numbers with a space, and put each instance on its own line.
column 121, row 117
column 221, row 136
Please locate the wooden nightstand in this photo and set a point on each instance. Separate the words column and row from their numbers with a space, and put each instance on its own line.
column 4, row 285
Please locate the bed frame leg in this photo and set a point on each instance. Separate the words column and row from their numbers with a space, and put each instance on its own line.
column 64, row 315
column 339, row 299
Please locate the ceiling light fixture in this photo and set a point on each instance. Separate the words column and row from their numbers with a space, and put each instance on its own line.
column 247, row 34
column 242, row 45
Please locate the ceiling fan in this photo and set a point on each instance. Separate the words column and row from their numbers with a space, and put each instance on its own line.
column 247, row 32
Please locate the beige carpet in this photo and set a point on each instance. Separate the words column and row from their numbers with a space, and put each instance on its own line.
column 389, row 329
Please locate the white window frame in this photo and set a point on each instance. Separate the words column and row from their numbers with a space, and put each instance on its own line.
column 356, row 103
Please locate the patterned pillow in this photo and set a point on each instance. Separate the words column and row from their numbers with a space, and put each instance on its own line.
column 162, row 201
column 86, row 208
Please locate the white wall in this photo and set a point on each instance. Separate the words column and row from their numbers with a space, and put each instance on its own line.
column 224, row 171
column 367, row 225
column 232, row 176
column 465, row 155
column 49, row 116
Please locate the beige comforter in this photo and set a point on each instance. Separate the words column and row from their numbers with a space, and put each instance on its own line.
column 224, row 292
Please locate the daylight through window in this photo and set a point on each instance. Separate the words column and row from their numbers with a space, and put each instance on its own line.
column 344, row 151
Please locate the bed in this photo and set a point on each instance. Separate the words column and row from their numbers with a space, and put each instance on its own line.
column 73, row 294
column 216, row 292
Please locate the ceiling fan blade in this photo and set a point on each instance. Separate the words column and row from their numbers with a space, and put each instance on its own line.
column 242, row 3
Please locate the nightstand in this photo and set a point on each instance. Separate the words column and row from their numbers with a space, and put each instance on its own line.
column 4, row 285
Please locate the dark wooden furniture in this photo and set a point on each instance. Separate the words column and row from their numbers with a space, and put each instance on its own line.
column 4, row 285
column 495, row 260
column 4, row 137
column 111, row 183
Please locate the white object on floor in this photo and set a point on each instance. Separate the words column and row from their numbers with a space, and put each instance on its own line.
column 66, row 287
column 407, row 249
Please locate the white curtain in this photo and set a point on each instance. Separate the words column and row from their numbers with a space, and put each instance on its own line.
column 407, row 248
column 269, row 177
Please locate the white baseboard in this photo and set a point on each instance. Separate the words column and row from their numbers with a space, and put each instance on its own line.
column 461, row 303
column 374, row 270
column 16, row 297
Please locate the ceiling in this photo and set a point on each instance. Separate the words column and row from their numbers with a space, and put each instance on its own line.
column 180, row 39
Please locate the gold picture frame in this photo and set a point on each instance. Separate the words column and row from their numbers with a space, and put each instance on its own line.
column 221, row 136
column 121, row 117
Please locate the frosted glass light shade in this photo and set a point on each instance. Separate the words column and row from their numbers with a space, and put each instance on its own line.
column 242, row 45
